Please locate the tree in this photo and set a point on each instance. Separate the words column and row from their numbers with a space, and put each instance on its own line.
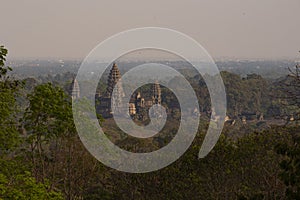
column 290, row 92
column 293, row 87
column 9, row 135
column 291, row 151
column 290, row 164
column 55, row 150
column 15, row 181
column 47, row 119
column 24, row 187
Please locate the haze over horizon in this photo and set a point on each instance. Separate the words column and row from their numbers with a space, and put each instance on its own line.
column 268, row 29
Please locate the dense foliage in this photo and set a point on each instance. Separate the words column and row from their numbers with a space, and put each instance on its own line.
column 16, row 181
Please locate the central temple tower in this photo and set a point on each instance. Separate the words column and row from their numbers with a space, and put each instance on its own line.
column 106, row 104
column 113, row 77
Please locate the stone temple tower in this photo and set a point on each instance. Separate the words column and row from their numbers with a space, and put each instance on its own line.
column 113, row 78
column 156, row 93
column 74, row 89
column 106, row 103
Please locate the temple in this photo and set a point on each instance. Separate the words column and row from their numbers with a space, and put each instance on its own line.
column 74, row 89
column 138, row 106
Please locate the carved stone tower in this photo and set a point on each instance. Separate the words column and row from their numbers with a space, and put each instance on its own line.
column 156, row 93
column 74, row 89
column 113, row 78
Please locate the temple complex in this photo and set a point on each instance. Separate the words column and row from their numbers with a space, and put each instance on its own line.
column 138, row 106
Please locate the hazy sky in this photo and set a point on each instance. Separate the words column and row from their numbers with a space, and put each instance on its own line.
column 226, row 28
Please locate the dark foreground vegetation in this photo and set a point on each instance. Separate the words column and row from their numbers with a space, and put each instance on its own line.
column 41, row 156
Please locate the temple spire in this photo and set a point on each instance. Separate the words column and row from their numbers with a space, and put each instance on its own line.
column 156, row 93
column 113, row 78
column 74, row 89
